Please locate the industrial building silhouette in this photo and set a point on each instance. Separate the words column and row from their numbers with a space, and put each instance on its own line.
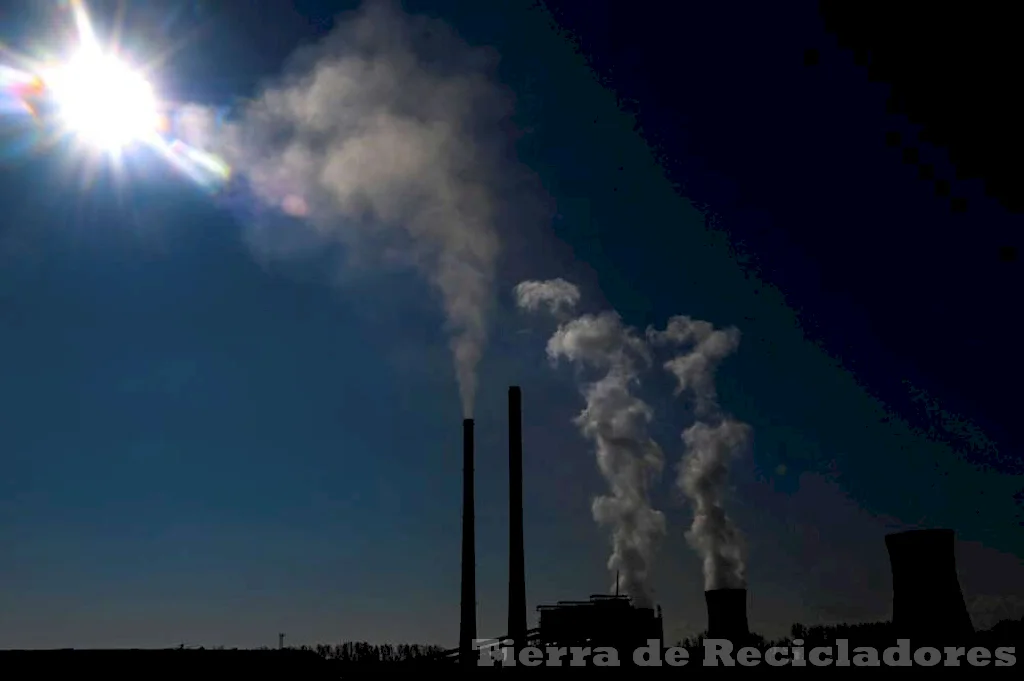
column 927, row 603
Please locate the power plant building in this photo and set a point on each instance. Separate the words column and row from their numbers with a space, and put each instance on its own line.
column 602, row 621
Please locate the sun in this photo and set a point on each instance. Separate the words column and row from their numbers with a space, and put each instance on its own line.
column 102, row 100
column 92, row 92
column 98, row 96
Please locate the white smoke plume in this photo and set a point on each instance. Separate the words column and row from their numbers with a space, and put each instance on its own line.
column 616, row 421
column 704, row 477
column 386, row 137
column 711, row 443
column 695, row 370
column 559, row 296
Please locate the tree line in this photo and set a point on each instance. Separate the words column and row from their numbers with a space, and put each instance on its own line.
column 872, row 634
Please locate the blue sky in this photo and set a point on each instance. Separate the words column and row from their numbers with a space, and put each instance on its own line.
column 206, row 447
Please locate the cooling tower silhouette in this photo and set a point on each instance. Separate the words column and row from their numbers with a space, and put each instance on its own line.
column 927, row 602
column 516, row 550
column 727, row 613
column 467, row 623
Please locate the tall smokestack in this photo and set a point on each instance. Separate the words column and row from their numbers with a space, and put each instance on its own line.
column 727, row 613
column 467, row 625
column 927, row 602
column 516, row 550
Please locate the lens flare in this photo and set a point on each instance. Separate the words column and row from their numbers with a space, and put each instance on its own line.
column 103, row 101
column 95, row 95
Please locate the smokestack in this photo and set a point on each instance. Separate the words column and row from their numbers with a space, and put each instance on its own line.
column 927, row 602
column 516, row 550
column 467, row 625
column 727, row 613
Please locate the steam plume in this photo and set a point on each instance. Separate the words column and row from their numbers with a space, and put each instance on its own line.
column 385, row 136
column 559, row 296
column 615, row 420
column 711, row 444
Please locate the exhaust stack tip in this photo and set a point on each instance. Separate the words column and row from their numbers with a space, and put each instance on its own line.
column 927, row 602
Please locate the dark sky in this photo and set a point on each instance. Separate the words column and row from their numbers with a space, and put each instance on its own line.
column 207, row 446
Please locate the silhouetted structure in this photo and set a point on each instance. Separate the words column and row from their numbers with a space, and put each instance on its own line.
column 516, row 551
column 927, row 603
column 611, row 621
column 196, row 663
column 467, row 623
column 727, row 613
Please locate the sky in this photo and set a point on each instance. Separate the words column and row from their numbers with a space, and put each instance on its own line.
column 216, row 429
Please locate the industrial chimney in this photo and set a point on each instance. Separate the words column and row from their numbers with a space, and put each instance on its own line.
column 516, row 551
column 467, row 624
column 926, row 599
column 727, row 613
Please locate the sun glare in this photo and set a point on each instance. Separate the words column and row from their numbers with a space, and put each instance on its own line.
column 99, row 97
column 103, row 101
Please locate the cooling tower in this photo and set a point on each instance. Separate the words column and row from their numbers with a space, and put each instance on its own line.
column 467, row 623
column 516, row 551
column 727, row 613
column 926, row 599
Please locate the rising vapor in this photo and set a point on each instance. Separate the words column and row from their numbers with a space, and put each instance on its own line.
column 615, row 420
column 385, row 137
column 557, row 295
column 712, row 443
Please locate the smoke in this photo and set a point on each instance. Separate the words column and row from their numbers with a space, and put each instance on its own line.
column 711, row 443
column 386, row 137
column 703, row 477
column 695, row 370
column 558, row 295
column 615, row 420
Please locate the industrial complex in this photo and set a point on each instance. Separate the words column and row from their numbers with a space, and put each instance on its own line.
column 928, row 604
